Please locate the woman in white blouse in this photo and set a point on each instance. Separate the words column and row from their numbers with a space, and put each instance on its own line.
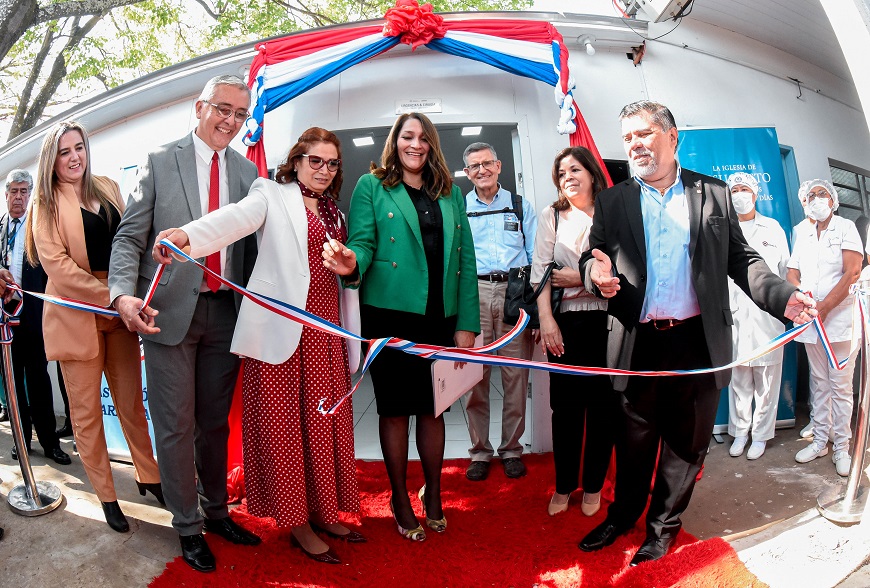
column 826, row 261
column 576, row 335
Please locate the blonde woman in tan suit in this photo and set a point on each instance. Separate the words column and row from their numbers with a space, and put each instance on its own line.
column 74, row 216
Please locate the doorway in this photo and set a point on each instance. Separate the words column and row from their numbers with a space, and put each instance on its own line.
column 361, row 147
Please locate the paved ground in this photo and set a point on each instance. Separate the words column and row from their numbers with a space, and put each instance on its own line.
column 73, row 546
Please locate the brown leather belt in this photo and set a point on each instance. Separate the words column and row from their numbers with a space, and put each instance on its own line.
column 665, row 324
column 493, row 277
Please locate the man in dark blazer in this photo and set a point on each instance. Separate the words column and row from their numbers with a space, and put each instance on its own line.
column 35, row 404
column 661, row 248
column 191, row 372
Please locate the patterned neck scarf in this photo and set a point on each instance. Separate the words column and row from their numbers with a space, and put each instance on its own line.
column 330, row 216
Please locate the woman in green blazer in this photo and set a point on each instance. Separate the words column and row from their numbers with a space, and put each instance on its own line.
column 410, row 249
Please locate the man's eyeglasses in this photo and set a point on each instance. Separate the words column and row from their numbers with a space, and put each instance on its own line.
column 475, row 167
column 820, row 194
column 227, row 112
column 316, row 162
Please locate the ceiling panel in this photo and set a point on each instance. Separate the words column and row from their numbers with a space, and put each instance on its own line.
column 798, row 27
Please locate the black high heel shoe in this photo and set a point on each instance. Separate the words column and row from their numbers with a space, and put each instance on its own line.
column 156, row 489
column 115, row 517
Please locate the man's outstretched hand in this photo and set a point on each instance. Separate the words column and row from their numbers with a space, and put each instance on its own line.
column 800, row 308
column 602, row 274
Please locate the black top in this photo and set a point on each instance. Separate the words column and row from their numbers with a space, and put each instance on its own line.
column 100, row 230
column 432, row 231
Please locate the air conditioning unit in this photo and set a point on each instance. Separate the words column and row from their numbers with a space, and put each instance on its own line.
column 656, row 10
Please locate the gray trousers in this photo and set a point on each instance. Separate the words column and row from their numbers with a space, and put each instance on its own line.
column 190, row 391
column 514, row 381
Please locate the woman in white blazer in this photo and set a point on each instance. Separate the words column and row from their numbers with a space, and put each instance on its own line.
column 299, row 464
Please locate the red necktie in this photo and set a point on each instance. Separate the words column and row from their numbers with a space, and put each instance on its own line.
column 213, row 261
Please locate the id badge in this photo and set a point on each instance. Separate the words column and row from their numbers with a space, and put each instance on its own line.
column 511, row 225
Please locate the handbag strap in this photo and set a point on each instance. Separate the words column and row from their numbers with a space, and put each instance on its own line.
column 540, row 287
column 549, row 269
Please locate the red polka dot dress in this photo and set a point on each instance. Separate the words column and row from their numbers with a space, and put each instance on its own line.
column 297, row 461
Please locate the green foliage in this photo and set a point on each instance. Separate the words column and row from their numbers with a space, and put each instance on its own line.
column 134, row 40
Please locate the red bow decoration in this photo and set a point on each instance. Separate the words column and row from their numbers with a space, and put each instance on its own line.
column 416, row 24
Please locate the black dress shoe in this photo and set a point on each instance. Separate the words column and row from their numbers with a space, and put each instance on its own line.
column 601, row 536
column 229, row 530
column 65, row 430
column 115, row 517
column 652, row 549
column 195, row 552
column 156, row 489
column 14, row 452
column 58, row 456
column 327, row 556
column 350, row 537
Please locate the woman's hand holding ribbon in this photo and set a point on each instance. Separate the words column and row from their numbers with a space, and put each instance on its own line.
column 6, row 278
column 177, row 237
column 339, row 259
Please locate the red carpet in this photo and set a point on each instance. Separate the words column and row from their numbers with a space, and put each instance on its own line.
column 498, row 534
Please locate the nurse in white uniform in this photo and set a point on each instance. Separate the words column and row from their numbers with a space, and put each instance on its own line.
column 760, row 379
column 826, row 261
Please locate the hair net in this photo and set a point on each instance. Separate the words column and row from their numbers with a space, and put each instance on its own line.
column 807, row 186
column 743, row 179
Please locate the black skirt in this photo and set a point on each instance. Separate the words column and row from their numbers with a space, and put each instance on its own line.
column 403, row 382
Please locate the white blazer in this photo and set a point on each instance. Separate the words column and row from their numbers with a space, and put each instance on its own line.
column 277, row 213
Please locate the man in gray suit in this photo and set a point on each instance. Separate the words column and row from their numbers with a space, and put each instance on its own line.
column 662, row 246
column 191, row 372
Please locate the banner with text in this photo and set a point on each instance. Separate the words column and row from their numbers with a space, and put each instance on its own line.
column 115, row 440
column 721, row 152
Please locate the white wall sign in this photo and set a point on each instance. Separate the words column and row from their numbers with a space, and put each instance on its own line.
column 418, row 105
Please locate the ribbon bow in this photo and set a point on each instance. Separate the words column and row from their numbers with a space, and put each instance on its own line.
column 417, row 25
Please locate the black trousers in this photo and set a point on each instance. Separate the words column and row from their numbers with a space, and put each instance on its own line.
column 582, row 404
column 669, row 418
column 35, row 403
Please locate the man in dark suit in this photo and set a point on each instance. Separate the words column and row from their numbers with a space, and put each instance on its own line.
column 35, row 404
column 191, row 372
column 662, row 246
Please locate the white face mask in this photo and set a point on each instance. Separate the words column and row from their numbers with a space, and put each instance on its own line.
column 742, row 202
column 819, row 209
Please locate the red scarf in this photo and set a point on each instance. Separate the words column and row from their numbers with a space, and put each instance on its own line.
column 330, row 215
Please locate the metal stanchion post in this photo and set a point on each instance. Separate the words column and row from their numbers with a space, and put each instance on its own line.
column 31, row 498
column 846, row 505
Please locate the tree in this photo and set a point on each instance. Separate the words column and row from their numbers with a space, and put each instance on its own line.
column 56, row 52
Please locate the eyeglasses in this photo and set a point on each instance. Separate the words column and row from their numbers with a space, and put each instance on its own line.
column 227, row 112
column 475, row 167
column 820, row 194
column 316, row 162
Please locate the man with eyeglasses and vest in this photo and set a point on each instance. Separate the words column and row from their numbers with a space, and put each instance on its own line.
column 503, row 226
column 190, row 370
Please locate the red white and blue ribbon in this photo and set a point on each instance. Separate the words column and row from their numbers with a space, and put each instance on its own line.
column 9, row 320
column 481, row 354
column 286, row 68
column 65, row 302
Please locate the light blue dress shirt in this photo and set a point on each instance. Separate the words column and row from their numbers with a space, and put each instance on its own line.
column 669, row 289
column 498, row 241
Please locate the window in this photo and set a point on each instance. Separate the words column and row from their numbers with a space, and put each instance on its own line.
column 853, row 188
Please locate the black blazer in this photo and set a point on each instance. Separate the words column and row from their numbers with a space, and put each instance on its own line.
column 717, row 249
column 33, row 279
